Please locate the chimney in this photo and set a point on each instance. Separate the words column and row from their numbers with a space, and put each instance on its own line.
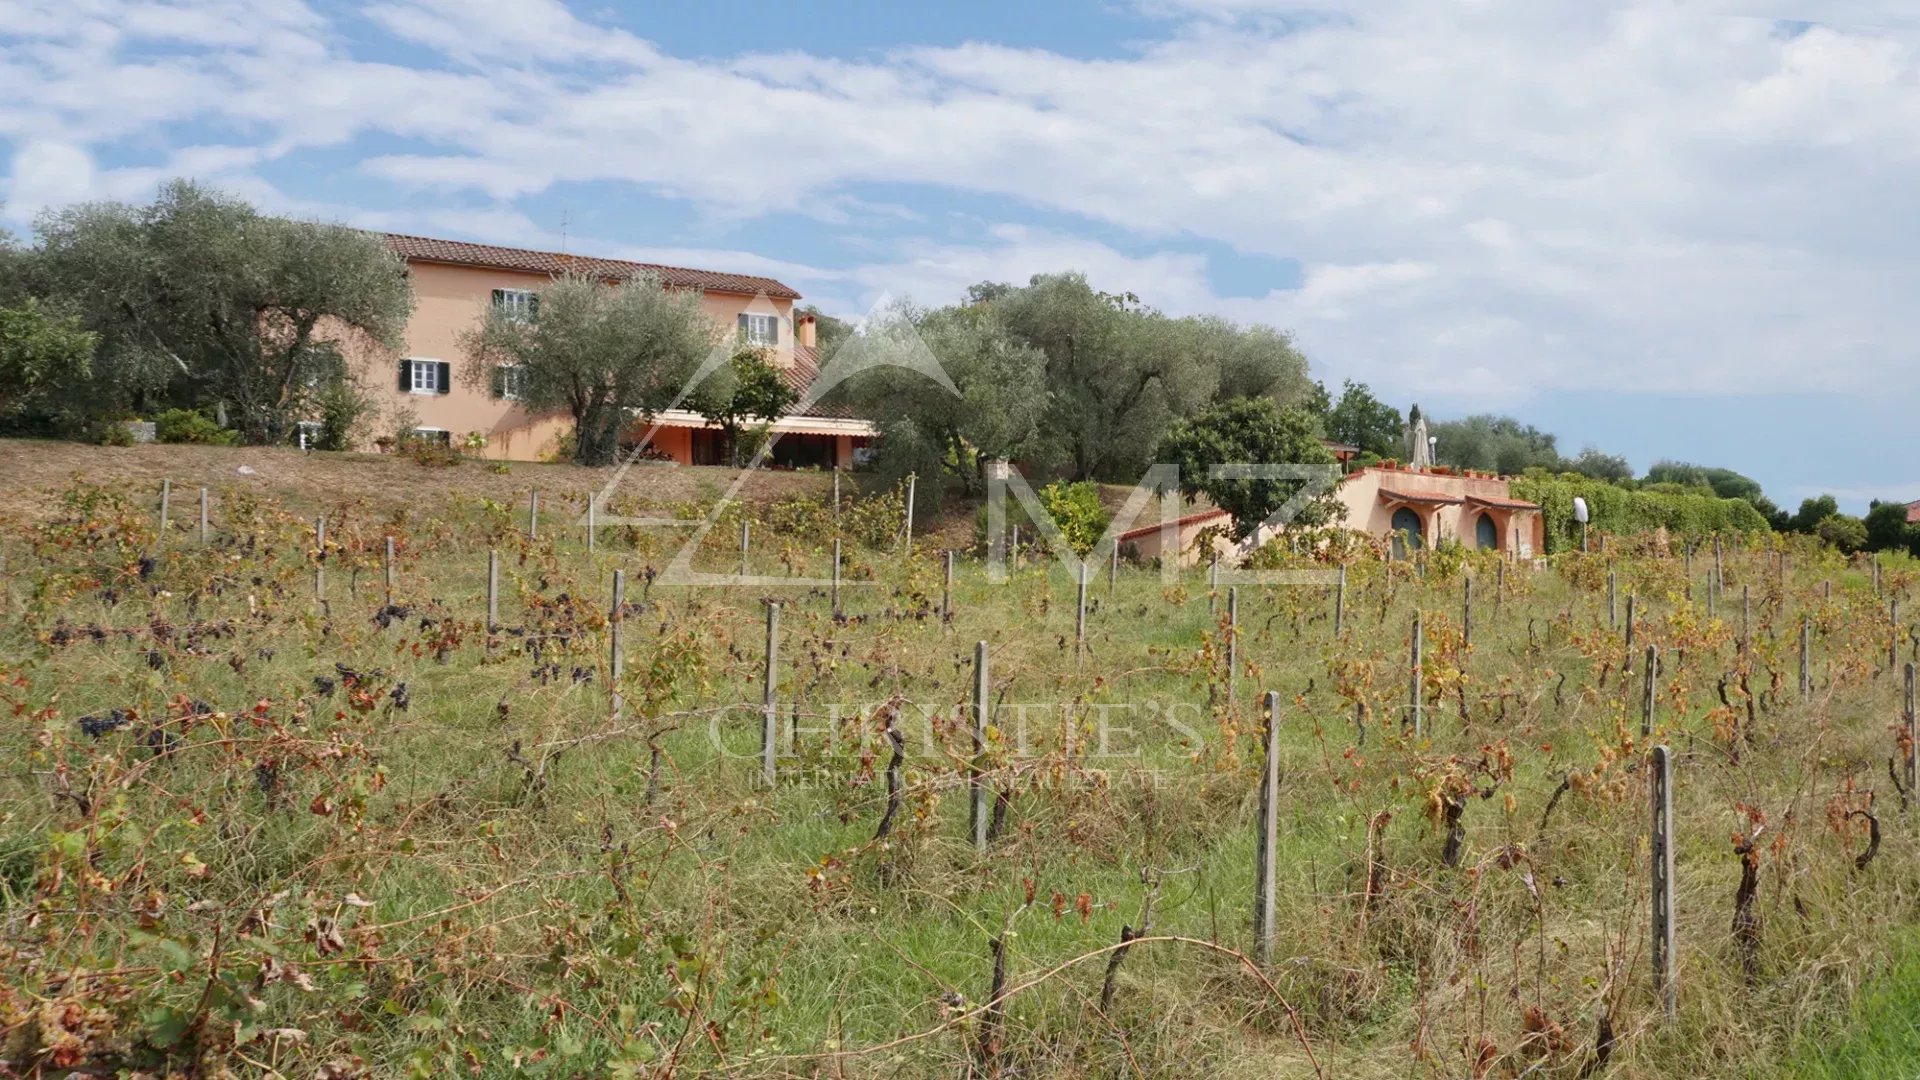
column 803, row 330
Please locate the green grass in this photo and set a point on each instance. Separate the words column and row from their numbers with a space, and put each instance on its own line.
column 1878, row 1037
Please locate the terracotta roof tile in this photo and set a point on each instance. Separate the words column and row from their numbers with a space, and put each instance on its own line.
column 1190, row 519
column 805, row 369
column 461, row 253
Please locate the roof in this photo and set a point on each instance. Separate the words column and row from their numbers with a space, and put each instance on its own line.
column 1499, row 503
column 801, row 376
column 461, row 253
column 1913, row 513
column 1437, row 498
column 1181, row 523
column 1339, row 447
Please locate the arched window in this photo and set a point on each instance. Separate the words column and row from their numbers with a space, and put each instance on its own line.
column 1486, row 534
column 1406, row 531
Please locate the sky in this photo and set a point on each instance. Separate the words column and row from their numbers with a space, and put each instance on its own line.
column 1668, row 229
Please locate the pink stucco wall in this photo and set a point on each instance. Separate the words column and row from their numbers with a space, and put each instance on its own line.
column 449, row 301
column 1521, row 532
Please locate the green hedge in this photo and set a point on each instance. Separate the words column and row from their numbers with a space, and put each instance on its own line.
column 1622, row 512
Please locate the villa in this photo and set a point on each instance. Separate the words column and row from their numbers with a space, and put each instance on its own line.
column 454, row 285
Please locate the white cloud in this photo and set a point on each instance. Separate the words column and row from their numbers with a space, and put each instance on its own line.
column 47, row 174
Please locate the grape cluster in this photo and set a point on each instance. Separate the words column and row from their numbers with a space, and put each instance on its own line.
column 95, row 726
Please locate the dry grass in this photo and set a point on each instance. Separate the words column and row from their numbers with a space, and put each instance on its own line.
column 34, row 472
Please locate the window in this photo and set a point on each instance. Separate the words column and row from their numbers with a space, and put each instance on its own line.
column 516, row 303
column 760, row 329
column 434, row 435
column 425, row 376
column 509, row 382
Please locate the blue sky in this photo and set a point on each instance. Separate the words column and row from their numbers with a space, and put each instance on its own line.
column 1667, row 230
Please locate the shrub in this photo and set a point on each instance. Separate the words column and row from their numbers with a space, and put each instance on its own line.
column 1075, row 508
column 1844, row 531
column 1616, row 510
column 344, row 411
column 113, row 433
column 189, row 426
column 431, row 453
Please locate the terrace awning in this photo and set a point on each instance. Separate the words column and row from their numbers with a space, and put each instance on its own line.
column 1425, row 498
column 1502, row 504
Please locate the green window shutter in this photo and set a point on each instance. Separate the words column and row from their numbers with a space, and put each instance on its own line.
column 406, row 376
column 499, row 382
column 775, row 339
column 742, row 324
column 446, row 378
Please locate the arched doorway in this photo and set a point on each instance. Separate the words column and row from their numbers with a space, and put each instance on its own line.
column 1407, row 529
column 1486, row 534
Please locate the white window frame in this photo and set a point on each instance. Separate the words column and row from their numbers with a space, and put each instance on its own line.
column 515, row 303
column 429, row 385
column 762, row 329
column 433, row 434
column 510, row 390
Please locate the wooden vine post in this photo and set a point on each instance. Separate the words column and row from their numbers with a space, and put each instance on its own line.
column 320, row 563
column 1649, row 702
column 977, row 818
column 1080, row 616
column 1233, row 642
column 1910, row 717
column 769, row 710
column 1628, row 665
column 1806, row 657
column 616, row 655
column 946, row 591
column 1666, row 978
column 1466, row 614
column 1415, row 703
column 1267, row 835
column 1340, row 602
column 493, row 590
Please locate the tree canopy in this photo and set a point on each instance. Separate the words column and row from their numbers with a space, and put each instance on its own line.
column 1497, row 444
column 748, row 388
column 1119, row 373
column 200, row 301
column 1361, row 420
column 1248, row 431
column 928, row 428
column 44, row 358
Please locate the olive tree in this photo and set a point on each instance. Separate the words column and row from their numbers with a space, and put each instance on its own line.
column 45, row 356
column 600, row 352
column 749, row 387
column 1249, row 431
column 949, row 390
column 200, row 301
